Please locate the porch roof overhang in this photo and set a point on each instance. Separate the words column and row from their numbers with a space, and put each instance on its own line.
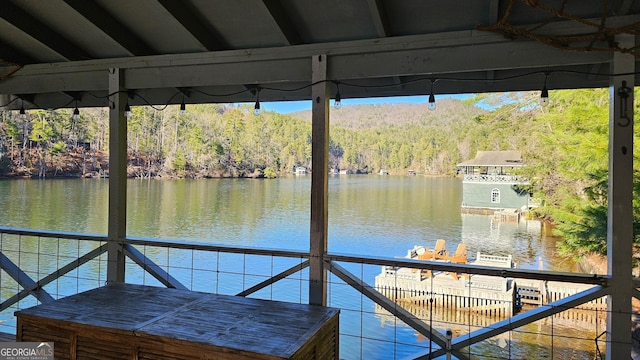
column 58, row 53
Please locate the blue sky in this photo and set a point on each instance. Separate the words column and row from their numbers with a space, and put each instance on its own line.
column 285, row 107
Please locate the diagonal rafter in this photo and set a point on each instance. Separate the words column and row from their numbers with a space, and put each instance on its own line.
column 528, row 317
column 53, row 276
column 381, row 23
column 494, row 12
column 11, row 54
column 44, row 34
column 379, row 17
column 398, row 311
column 24, row 280
column 279, row 14
column 290, row 271
column 195, row 24
column 111, row 26
column 149, row 266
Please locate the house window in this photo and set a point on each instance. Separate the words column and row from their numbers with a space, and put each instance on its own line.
column 495, row 196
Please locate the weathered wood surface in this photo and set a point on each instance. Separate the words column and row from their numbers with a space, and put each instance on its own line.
column 142, row 322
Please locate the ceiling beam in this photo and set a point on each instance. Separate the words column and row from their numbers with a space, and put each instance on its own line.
column 625, row 6
column 279, row 65
column 362, row 61
column 494, row 11
column 282, row 19
column 472, row 41
column 381, row 23
column 379, row 18
column 111, row 26
column 195, row 24
column 519, row 80
column 44, row 34
column 11, row 54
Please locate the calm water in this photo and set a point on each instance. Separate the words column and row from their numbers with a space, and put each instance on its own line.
column 368, row 215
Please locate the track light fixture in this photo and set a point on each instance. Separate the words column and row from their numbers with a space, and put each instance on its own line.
column 432, row 97
column 544, row 93
column 337, row 102
column 256, row 107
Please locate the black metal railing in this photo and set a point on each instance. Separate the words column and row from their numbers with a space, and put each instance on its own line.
column 41, row 266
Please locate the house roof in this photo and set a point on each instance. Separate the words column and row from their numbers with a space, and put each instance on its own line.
column 58, row 53
column 495, row 158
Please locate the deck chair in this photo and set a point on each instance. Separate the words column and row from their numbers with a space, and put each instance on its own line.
column 439, row 250
column 460, row 257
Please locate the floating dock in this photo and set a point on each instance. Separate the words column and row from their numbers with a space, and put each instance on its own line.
column 480, row 294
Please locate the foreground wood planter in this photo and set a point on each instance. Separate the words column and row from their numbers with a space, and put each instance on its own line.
column 124, row 321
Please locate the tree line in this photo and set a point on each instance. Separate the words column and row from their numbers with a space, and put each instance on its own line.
column 564, row 144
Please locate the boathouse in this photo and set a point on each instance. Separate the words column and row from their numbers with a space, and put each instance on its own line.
column 490, row 182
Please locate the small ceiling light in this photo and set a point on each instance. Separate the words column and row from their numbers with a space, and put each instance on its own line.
column 76, row 112
column 337, row 103
column 544, row 93
column 127, row 111
column 432, row 97
column 22, row 112
column 256, row 107
column 183, row 108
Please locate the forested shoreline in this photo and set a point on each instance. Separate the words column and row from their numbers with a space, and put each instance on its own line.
column 564, row 145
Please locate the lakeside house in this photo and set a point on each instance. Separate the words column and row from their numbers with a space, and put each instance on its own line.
column 490, row 182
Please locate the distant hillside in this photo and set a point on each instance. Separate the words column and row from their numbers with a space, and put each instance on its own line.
column 385, row 115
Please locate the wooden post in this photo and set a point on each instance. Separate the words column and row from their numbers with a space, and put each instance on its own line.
column 117, row 218
column 319, row 181
column 620, row 215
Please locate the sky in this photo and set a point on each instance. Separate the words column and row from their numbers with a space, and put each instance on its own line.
column 285, row 107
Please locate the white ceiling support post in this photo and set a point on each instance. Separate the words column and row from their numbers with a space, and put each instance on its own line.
column 620, row 215
column 117, row 219
column 319, row 181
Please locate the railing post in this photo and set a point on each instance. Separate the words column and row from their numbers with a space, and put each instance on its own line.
column 319, row 181
column 620, row 212
column 117, row 218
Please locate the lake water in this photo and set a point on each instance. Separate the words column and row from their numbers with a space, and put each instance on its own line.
column 368, row 215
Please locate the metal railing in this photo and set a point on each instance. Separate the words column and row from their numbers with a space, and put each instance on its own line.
column 494, row 178
column 40, row 267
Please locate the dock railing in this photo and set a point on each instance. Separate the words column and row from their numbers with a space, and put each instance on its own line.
column 40, row 267
column 494, row 178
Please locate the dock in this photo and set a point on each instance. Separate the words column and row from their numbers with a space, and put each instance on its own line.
column 479, row 294
column 484, row 295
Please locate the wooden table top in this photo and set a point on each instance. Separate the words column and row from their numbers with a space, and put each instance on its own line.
column 252, row 325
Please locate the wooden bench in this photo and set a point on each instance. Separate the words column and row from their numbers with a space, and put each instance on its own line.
column 128, row 321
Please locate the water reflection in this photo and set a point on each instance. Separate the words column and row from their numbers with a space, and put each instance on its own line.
column 368, row 215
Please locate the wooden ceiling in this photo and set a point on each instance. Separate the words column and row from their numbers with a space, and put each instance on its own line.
column 57, row 53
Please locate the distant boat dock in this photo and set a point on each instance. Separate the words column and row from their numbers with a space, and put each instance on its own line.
column 481, row 294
